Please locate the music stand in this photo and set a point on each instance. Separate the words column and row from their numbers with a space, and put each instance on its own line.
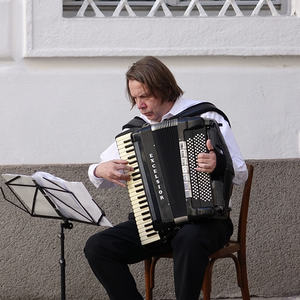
column 46, row 196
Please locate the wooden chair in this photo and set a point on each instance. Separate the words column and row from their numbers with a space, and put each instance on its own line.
column 235, row 249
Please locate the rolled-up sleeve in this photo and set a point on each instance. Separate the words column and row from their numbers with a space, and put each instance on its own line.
column 109, row 154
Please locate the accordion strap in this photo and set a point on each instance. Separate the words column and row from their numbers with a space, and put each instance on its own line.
column 199, row 109
column 192, row 111
column 136, row 122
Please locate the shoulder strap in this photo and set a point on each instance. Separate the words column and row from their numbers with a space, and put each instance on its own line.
column 136, row 122
column 192, row 111
column 199, row 109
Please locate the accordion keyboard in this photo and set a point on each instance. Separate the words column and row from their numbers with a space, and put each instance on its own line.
column 136, row 192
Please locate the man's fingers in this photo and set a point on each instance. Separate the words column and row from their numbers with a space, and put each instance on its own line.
column 119, row 178
column 120, row 183
column 122, row 165
column 207, row 161
column 120, row 161
column 202, row 157
column 209, row 145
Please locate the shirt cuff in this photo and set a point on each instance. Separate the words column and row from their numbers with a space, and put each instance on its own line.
column 94, row 179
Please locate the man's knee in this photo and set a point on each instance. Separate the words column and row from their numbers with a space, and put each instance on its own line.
column 88, row 249
column 183, row 239
column 190, row 240
column 92, row 247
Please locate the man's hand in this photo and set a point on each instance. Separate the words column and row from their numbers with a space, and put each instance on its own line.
column 115, row 171
column 207, row 161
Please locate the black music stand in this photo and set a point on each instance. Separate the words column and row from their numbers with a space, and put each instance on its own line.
column 46, row 196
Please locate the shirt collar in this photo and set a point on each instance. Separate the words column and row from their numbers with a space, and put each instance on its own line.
column 179, row 105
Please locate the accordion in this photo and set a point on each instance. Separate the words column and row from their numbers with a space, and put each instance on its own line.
column 165, row 190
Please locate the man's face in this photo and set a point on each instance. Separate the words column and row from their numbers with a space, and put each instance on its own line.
column 150, row 106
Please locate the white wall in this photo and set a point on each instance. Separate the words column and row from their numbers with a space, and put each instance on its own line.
column 66, row 110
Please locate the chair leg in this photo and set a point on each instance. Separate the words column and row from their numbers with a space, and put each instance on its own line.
column 237, row 268
column 206, row 285
column 150, row 264
column 244, row 278
column 148, row 290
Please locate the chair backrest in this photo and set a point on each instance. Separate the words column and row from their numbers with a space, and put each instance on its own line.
column 242, row 228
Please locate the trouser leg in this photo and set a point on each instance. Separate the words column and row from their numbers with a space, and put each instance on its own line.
column 109, row 252
column 192, row 246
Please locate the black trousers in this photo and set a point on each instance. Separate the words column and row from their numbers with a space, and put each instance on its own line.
column 109, row 252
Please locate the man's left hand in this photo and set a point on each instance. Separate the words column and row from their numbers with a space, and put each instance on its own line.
column 207, row 161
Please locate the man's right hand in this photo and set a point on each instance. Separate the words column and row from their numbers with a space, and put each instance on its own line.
column 115, row 171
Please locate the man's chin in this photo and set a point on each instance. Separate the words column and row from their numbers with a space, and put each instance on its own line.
column 149, row 116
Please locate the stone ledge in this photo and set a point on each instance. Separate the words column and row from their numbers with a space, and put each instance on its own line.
column 30, row 249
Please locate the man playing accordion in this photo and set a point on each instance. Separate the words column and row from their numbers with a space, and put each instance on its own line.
column 153, row 89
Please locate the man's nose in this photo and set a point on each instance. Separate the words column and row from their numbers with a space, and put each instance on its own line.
column 140, row 103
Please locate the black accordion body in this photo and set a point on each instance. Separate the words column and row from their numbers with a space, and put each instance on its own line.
column 165, row 190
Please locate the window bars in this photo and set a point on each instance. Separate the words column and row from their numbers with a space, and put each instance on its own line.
column 175, row 8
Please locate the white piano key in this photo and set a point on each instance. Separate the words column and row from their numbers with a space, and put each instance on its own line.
column 152, row 239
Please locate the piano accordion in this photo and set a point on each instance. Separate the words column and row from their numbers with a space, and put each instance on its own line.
column 165, row 190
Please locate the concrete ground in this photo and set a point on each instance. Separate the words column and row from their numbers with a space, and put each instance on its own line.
column 268, row 298
column 256, row 298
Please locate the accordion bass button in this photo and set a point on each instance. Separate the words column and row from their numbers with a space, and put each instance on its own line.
column 188, row 193
column 182, row 145
column 185, row 169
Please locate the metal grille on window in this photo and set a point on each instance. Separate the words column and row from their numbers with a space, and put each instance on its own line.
column 175, row 8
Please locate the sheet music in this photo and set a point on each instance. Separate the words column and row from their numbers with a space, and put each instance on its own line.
column 71, row 199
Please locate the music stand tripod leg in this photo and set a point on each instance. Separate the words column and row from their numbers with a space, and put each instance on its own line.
column 66, row 224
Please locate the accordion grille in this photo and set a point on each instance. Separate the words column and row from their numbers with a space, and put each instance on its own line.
column 200, row 181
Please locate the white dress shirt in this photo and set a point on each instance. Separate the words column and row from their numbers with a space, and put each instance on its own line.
column 240, row 169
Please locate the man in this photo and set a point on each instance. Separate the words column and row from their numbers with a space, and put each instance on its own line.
column 153, row 89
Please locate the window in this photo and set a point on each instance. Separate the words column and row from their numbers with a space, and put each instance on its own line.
column 143, row 8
